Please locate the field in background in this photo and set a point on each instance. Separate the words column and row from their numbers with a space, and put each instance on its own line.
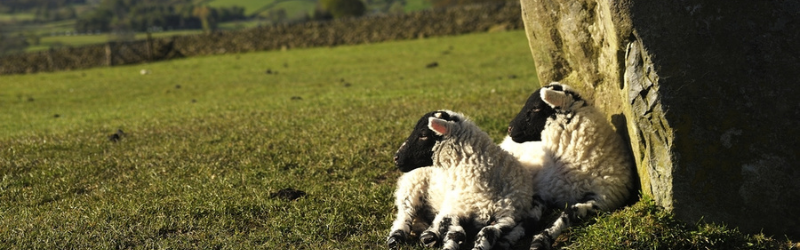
column 60, row 33
column 256, row 7
column 16, row 17
column 80, row 40
column 215, row 150
column 251, row 6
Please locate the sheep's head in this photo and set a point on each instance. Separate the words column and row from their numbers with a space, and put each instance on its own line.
column 417, row 150
column 541, row 105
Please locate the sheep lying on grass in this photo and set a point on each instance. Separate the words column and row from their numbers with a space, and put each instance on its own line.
column 471, row 182
column 583, row 163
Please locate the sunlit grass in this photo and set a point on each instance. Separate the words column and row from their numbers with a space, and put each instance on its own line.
column 208, row 143
column 250, row 6
column 16, row 17
column 48, row 42
column 208, row 140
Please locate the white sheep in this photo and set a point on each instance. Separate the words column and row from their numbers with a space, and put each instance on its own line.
column 471, row 180
column 581, row 162
column 529, row 153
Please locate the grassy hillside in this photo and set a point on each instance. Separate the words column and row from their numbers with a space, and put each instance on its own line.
column 200, row 161
column 16, row 17
column 250, row 6
column 81, row 40
column 52, row 34
column 210, row 142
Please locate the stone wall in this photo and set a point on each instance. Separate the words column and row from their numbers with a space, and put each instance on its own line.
column 440, row 22
column 705, row 91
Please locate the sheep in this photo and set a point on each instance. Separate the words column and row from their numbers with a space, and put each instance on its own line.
column 529, row 153
column 470, row 180
column 580, row 162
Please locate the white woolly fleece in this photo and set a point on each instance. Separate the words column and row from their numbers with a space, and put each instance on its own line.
column 471, row 178
column 583, row 154
column 487, row 180
column 528, row 153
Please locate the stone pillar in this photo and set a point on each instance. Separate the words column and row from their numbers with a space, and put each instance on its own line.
column 706, row 92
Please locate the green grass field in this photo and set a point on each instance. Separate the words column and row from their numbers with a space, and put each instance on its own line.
column 209, row 142
column 16, row 17
column 416, row 5
column 80, row 40
column 296, row 9
column 250, row 6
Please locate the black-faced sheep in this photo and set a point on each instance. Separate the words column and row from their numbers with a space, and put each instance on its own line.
column 584, row 165
column 471, row 182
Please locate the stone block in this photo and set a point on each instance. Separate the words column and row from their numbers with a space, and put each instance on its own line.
column 705, row 90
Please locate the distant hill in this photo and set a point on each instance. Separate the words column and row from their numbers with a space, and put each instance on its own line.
column 250, row 6
column 45, row 24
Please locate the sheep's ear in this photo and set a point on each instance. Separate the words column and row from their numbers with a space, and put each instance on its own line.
column 554, row 98
column 438, row 126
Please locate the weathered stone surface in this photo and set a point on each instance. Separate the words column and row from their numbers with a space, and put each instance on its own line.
column 705, row 91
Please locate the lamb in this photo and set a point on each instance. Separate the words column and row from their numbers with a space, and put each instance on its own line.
column 580, row 161
column 470, row 181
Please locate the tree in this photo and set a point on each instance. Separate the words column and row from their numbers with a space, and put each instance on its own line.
column 344, row 8
column 12, row 44
column 202, row 13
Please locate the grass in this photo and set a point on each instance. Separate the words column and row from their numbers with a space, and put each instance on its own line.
column 211, row 141
column 15, row 17
column 646, row 226
column 80, row 40
column 250, row 6
column 69, row 41
column 296, row 9
column 199, row 163
column 416, row 5
column 43, row 28
column 245, row 24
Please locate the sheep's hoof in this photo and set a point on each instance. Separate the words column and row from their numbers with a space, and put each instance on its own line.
column 395, row 238
column 541, row 242
column 428, row 238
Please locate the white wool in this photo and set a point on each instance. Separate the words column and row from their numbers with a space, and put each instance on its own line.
column 581, row 163
column 487, row 179
column 471, row 177
column 529, row 153
column 583, row 154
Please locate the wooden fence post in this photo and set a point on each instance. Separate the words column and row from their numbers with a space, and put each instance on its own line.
column 50, row 65
column 108, row 54
column 149, row 48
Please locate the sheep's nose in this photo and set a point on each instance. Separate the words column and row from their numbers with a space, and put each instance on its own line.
column 395, row 159
column 509, row 130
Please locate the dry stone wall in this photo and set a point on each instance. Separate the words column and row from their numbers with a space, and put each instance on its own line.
column 441, row 22
column 705, row 91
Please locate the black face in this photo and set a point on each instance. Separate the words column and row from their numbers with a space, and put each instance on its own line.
column 417, row 150
column 530, row 121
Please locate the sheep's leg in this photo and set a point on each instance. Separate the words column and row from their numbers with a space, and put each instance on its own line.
column 446, row 225
column 507, row 238
column 501, row 235
column 544, row 240
column 536, row 212
column 401, row 227
column 411, row 203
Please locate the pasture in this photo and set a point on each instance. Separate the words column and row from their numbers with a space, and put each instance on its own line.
column 269, row 150
column 4, row 17
column 48, row 42
column 295, row 9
